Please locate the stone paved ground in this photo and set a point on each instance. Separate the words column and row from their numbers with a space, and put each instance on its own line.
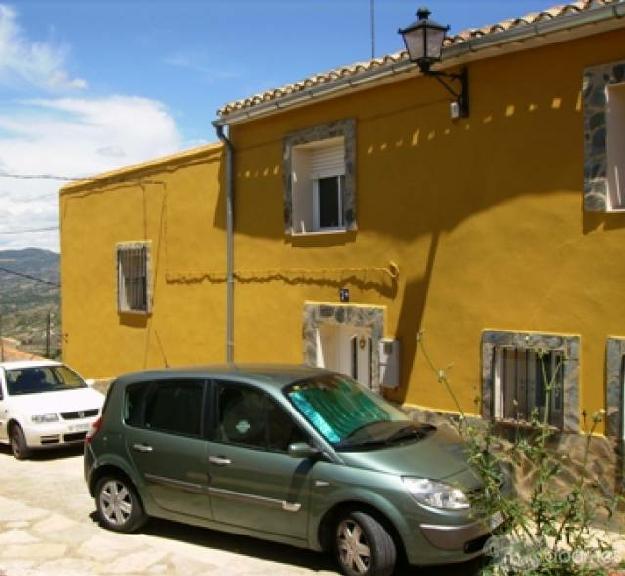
column 47, row 528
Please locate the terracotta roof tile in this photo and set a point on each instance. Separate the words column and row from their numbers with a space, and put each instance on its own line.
column 559, row 11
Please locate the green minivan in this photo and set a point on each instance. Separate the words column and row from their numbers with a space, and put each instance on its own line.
column 292, row 454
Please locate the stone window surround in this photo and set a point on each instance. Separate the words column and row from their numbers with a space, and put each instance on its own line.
column 570, row 345
column 345, row 128
column 316, row 314
column 596, row 80
column 615, row 387
column 147, row 244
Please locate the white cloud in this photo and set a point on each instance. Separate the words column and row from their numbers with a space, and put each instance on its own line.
column 26, row 62
column 70, row 137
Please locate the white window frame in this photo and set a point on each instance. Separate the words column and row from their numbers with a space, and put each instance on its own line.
column 125, row 305
column 615, row 146
column 310, row 155
column 305, row 189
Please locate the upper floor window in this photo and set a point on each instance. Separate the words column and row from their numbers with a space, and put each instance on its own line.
column 604, row 137
column 318, row 185
column 133, row 277
column 319, row 179
column 615, row 146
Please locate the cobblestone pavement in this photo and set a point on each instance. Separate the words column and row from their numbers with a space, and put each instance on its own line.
column 48, row 528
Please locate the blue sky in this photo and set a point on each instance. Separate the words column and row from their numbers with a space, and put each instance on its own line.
column 87, row 85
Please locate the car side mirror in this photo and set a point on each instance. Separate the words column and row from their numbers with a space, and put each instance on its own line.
column 303, row 450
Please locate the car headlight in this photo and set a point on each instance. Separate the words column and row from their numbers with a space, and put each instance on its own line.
column 436, row 494
column 43, row 418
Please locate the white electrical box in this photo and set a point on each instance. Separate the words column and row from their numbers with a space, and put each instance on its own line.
column 454, row 110
column 389, row 363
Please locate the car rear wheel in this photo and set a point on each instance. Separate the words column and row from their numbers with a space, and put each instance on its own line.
column 19, row 447
column 363, row 546
column 118, row 505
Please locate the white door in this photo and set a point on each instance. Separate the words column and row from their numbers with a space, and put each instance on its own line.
column 346, row 349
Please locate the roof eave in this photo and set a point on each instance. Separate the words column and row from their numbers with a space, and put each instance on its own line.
column 452, row 55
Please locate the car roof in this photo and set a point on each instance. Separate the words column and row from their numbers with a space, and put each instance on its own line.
column 272, row 375
column 21, row 364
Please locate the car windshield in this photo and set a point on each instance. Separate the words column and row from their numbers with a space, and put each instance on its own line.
column 348, row 415
column 37, row 379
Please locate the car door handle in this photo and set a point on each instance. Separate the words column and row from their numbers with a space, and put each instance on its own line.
column 219, row 460
column 142, row 448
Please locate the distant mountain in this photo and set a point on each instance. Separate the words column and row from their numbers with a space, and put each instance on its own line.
column 29, row 291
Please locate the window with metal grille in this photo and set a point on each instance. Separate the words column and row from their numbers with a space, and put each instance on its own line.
column 132, row 277
column 529, row 381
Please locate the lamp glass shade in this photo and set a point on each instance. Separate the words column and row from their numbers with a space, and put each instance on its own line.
column 424, row 39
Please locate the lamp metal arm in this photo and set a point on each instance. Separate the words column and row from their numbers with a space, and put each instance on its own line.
column 461, row 96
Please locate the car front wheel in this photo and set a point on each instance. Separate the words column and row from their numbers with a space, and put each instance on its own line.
column 19, row 447
column 363, row 546
column 118, row 505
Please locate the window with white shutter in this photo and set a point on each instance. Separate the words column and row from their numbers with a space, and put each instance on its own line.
column 319, row 183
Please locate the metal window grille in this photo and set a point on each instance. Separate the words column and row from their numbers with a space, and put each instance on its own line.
column 522, row 379
column 132, row 278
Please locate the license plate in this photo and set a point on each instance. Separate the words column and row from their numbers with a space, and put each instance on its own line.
column 79, row 428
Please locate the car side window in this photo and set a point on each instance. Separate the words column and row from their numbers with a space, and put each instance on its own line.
column 167, row 406
column 248, row 417
column 133, row 409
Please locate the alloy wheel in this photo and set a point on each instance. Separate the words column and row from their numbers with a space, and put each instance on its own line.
column 353, row 547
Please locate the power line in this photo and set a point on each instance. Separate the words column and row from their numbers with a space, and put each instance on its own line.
column 39, row 177
column 71, row 178
column 29, row 231
column 29, row 277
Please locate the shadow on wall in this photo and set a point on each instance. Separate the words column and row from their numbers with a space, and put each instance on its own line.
column 411, row 318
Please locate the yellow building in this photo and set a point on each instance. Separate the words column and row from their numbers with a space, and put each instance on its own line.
column 367, row 212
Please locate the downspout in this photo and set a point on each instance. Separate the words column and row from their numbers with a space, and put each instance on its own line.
column 229, row 242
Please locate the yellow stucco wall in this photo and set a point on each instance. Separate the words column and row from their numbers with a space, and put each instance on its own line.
column 484, row 217
column 177, row 205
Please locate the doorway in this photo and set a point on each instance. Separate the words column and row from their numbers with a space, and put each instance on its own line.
column 348, row 350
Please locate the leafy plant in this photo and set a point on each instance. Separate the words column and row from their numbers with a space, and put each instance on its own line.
column 555, row 528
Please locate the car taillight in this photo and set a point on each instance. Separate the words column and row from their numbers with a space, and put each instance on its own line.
column 95, row 428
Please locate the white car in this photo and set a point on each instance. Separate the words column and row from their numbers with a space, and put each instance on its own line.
column 44, row 404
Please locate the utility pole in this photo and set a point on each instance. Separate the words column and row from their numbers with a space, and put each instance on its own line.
column 48, row 329
column 1, row 341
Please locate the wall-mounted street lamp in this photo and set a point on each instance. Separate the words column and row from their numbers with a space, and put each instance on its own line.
column 424, row 42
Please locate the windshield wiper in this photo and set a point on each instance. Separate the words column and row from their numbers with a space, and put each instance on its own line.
column 355, row 446
column 411, row 431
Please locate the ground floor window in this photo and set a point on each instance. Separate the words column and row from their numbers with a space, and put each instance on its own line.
column 615, row 388
column 530, row 375
column 528, row 384
column 133, row 277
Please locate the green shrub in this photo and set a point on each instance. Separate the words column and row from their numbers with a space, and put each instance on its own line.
column 554, row 528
